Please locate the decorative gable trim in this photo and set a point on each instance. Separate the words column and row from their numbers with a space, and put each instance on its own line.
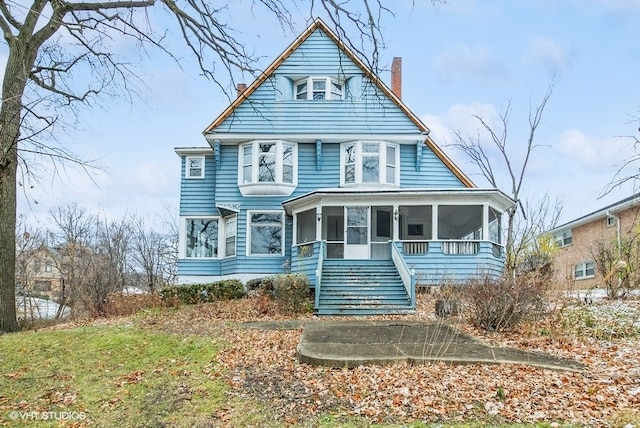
column 319, row 24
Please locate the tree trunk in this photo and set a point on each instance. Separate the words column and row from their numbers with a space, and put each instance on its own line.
column 13, row 86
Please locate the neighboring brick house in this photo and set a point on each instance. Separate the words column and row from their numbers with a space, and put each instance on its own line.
column 578, row 239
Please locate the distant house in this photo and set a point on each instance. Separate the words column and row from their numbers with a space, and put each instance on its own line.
column 318, row 167
column 578, row 239
column 38, row 272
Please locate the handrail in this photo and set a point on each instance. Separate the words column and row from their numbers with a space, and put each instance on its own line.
column 407, row 275
column 319, row 273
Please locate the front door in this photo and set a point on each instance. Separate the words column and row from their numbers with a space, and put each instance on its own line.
column 357, row 233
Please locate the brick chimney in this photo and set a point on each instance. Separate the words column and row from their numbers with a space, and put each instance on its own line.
column 396, row 77
column 241, row 87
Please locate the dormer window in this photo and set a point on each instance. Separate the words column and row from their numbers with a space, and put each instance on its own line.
column 319, row 88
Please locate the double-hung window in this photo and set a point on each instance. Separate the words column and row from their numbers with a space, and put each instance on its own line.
column 230, row 226
column 563, row 239
column 319, row 88
column 266, row 233
column 584, row 270
column 194, row 167
column 267, row 167
column 201, row 238
column 369, row 162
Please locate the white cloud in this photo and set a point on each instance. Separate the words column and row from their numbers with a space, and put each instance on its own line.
column 592, row 153
column 462, row 61
column 460, row 118
column 548, row 52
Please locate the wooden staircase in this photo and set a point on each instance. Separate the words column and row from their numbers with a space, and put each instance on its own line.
column 361, row 287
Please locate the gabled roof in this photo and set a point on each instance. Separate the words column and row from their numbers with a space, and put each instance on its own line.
column 319, row 24
column 621, row 205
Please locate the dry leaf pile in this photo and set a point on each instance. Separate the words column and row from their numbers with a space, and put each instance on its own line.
column 261, row 365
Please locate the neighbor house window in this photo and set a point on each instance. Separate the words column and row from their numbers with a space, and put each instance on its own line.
column 266, row 233
column 230, row 226
column 563, row 239
column 611, row 221
column 584, row 270
column 319, row 88
column 269, row 165
column 201, row 237
column 195, row 167
column 369, row 162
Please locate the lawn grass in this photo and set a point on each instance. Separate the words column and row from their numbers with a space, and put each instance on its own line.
column 109, row 376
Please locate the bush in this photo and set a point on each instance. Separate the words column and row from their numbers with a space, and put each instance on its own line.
column 119, row 304
column 203, row 293
column 503, row 303
column 292, row 293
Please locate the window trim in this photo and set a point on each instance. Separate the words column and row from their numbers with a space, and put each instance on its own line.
column 611, row 221
column 248, row 233
column 383, row 163
column 328, row 88
column 583, row 270
column 563, row 239
column 182, row 251
column 267, row 188
column 188, row 169
column 226, row 221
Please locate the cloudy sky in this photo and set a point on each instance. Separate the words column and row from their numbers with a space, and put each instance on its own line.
column 465, row 58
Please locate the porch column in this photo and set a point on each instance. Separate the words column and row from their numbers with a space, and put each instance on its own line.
column 485, row 222
column 434, row 222
column 395, row 234
column 318, row 223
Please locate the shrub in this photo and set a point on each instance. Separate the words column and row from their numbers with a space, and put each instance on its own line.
column 292, row 293
column 119, row 304
column 203, row 293
column 503, row 303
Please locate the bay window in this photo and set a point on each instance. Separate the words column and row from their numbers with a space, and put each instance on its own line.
column 267, row 167
column 369, row 162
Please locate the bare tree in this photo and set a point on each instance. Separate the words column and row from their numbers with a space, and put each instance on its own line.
column 623, row 175
column 152, row 254
column 474, row 147
column 52, row 41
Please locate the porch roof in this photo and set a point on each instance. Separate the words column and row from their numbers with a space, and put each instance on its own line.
column 496, row 198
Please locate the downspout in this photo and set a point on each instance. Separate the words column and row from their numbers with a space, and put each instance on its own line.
column 617, row 233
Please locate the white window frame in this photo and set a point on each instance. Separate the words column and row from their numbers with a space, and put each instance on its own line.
column 563, row 239
column 249, row 236
column 611, row 221
column 580, row 270
column 230, row 230
column 188, row 170
column 252, row 185
column 182, row 253
column 329, row 93
column 383, row 163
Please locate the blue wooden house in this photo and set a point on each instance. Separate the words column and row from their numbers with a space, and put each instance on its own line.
column 319, row 168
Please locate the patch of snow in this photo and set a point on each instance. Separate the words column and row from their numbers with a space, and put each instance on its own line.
column 36, row 308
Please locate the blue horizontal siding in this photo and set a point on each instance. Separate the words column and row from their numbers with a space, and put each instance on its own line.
column 433, row 172
column 436, row 268
column 266, row 110
column 197, row 195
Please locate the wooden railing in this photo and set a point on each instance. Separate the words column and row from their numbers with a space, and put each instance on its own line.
column 407, row 275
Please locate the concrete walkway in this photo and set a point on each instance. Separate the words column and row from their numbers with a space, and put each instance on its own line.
column 355, row 343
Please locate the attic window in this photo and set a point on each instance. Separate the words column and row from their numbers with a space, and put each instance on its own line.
column 319, row 88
